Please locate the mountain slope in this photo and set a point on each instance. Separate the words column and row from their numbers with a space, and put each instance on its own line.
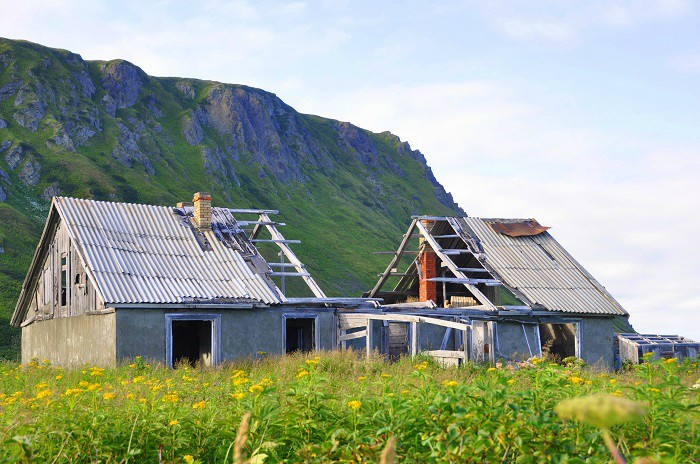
column 106, row 130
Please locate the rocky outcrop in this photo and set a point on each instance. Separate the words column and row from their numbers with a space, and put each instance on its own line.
column 127, row 151
column 192, row 129
column 30, row 172
column 122, row 81
column 3, row 123
column 51, row 191
column 4, row 145
column 30, row 107
column 186, row 88
column 83, row 78
column 5, row 179
column 14, row 156
column 60, row 139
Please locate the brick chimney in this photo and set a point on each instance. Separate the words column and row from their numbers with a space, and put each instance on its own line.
column 428, row 263
column 202, row 210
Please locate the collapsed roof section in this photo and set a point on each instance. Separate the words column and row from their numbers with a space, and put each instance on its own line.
column 489, row 263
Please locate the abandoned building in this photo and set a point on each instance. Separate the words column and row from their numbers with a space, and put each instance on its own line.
column 110, row 281
column 515, row 287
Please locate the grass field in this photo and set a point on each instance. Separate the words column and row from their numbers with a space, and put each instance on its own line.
column 336, row 407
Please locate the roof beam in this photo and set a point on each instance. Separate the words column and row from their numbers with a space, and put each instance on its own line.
column 395, row 260
column 453, row 267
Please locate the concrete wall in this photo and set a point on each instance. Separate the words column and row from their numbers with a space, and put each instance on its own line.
column 597, row 341
column 141, row 332
column 72, row 341
column 515, row 344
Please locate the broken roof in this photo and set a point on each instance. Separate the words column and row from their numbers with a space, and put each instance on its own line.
column 154, row 254
column 516, row 253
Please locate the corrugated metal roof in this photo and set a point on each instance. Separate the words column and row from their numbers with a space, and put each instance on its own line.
column 152, row 254
column 539, row 268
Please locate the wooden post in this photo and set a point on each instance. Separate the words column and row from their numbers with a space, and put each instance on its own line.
column 369, row 337
column 414, row 339
column 465, row 345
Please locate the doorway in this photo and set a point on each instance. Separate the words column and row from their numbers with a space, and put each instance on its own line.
column 192, row 339
column 192, row 342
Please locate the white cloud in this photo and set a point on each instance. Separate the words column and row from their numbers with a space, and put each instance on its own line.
column 562, row 22
column 622, row 204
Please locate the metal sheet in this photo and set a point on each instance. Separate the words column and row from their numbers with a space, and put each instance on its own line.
column 538, row 267
column 150, row 254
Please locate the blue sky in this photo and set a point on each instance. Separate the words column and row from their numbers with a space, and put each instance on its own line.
column 583, row 115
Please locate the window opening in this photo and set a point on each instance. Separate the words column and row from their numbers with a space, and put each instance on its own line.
column 64, row 279
column 300, row 334
column 558, row 340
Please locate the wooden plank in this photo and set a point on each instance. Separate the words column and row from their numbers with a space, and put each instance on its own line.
column 466, row 280
column 446, row 338
column 453, row 267
column 450, row 252
column 472, row 269
column 397, row 257
column 438, row 237
column 445, row 354
column 353, row 336
column 253, row 211
column 276, row 235
column 405, row 252
column 370, row 338
column 414, row 339
column 289, row 274
column 258, row 240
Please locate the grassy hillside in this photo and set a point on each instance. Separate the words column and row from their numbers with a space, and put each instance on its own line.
column 336, row 408
column 106, row 130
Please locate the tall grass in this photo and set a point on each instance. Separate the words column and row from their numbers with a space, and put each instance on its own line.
column 336, row 407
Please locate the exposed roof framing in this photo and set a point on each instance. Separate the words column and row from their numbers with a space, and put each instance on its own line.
column 533, row 266
column 278, row 239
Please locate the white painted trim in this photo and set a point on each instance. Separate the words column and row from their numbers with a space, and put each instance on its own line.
column 317, row 332
column 215, row 320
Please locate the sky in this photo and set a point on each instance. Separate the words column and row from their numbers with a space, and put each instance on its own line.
column 582, row 114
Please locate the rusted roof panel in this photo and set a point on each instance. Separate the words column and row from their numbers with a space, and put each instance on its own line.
column 524, row 228
column 152, row 254
column 537, row 266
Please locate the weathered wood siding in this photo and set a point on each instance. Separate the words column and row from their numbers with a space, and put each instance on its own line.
column 81, row 297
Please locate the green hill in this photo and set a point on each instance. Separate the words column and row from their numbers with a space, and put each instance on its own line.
column 106, row 130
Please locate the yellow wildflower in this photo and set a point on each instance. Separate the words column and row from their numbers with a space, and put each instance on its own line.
column 238, row 396
column 405, row 392
column 173, row 422
column 170, row 398
column 450, row 383
column 199, row 405
column 41, row 386
column 613, row 381
column 130, row 396
column 58, row 377
column 510, row 381
column 302, row 373
column 671, row 361
column 266, row 382
column 188, row 459
column 490, row 369
column 138, row 378
column 108, row 396
column 83, row 383
column 421, row 366
column 132, row 365
column 256, row 389
column 238, row 373
column 362, row 377
column 43, row 393
column 588, row 382
column 142, row 400
column 241, row 381
column 96, row 372
column 536, row 360
column 617, row 393
column 385, row 376
column 354, row 405
column 312, row 362
column 93, row 386
column 576, row 380
column 655, row 390
column 155, row 388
